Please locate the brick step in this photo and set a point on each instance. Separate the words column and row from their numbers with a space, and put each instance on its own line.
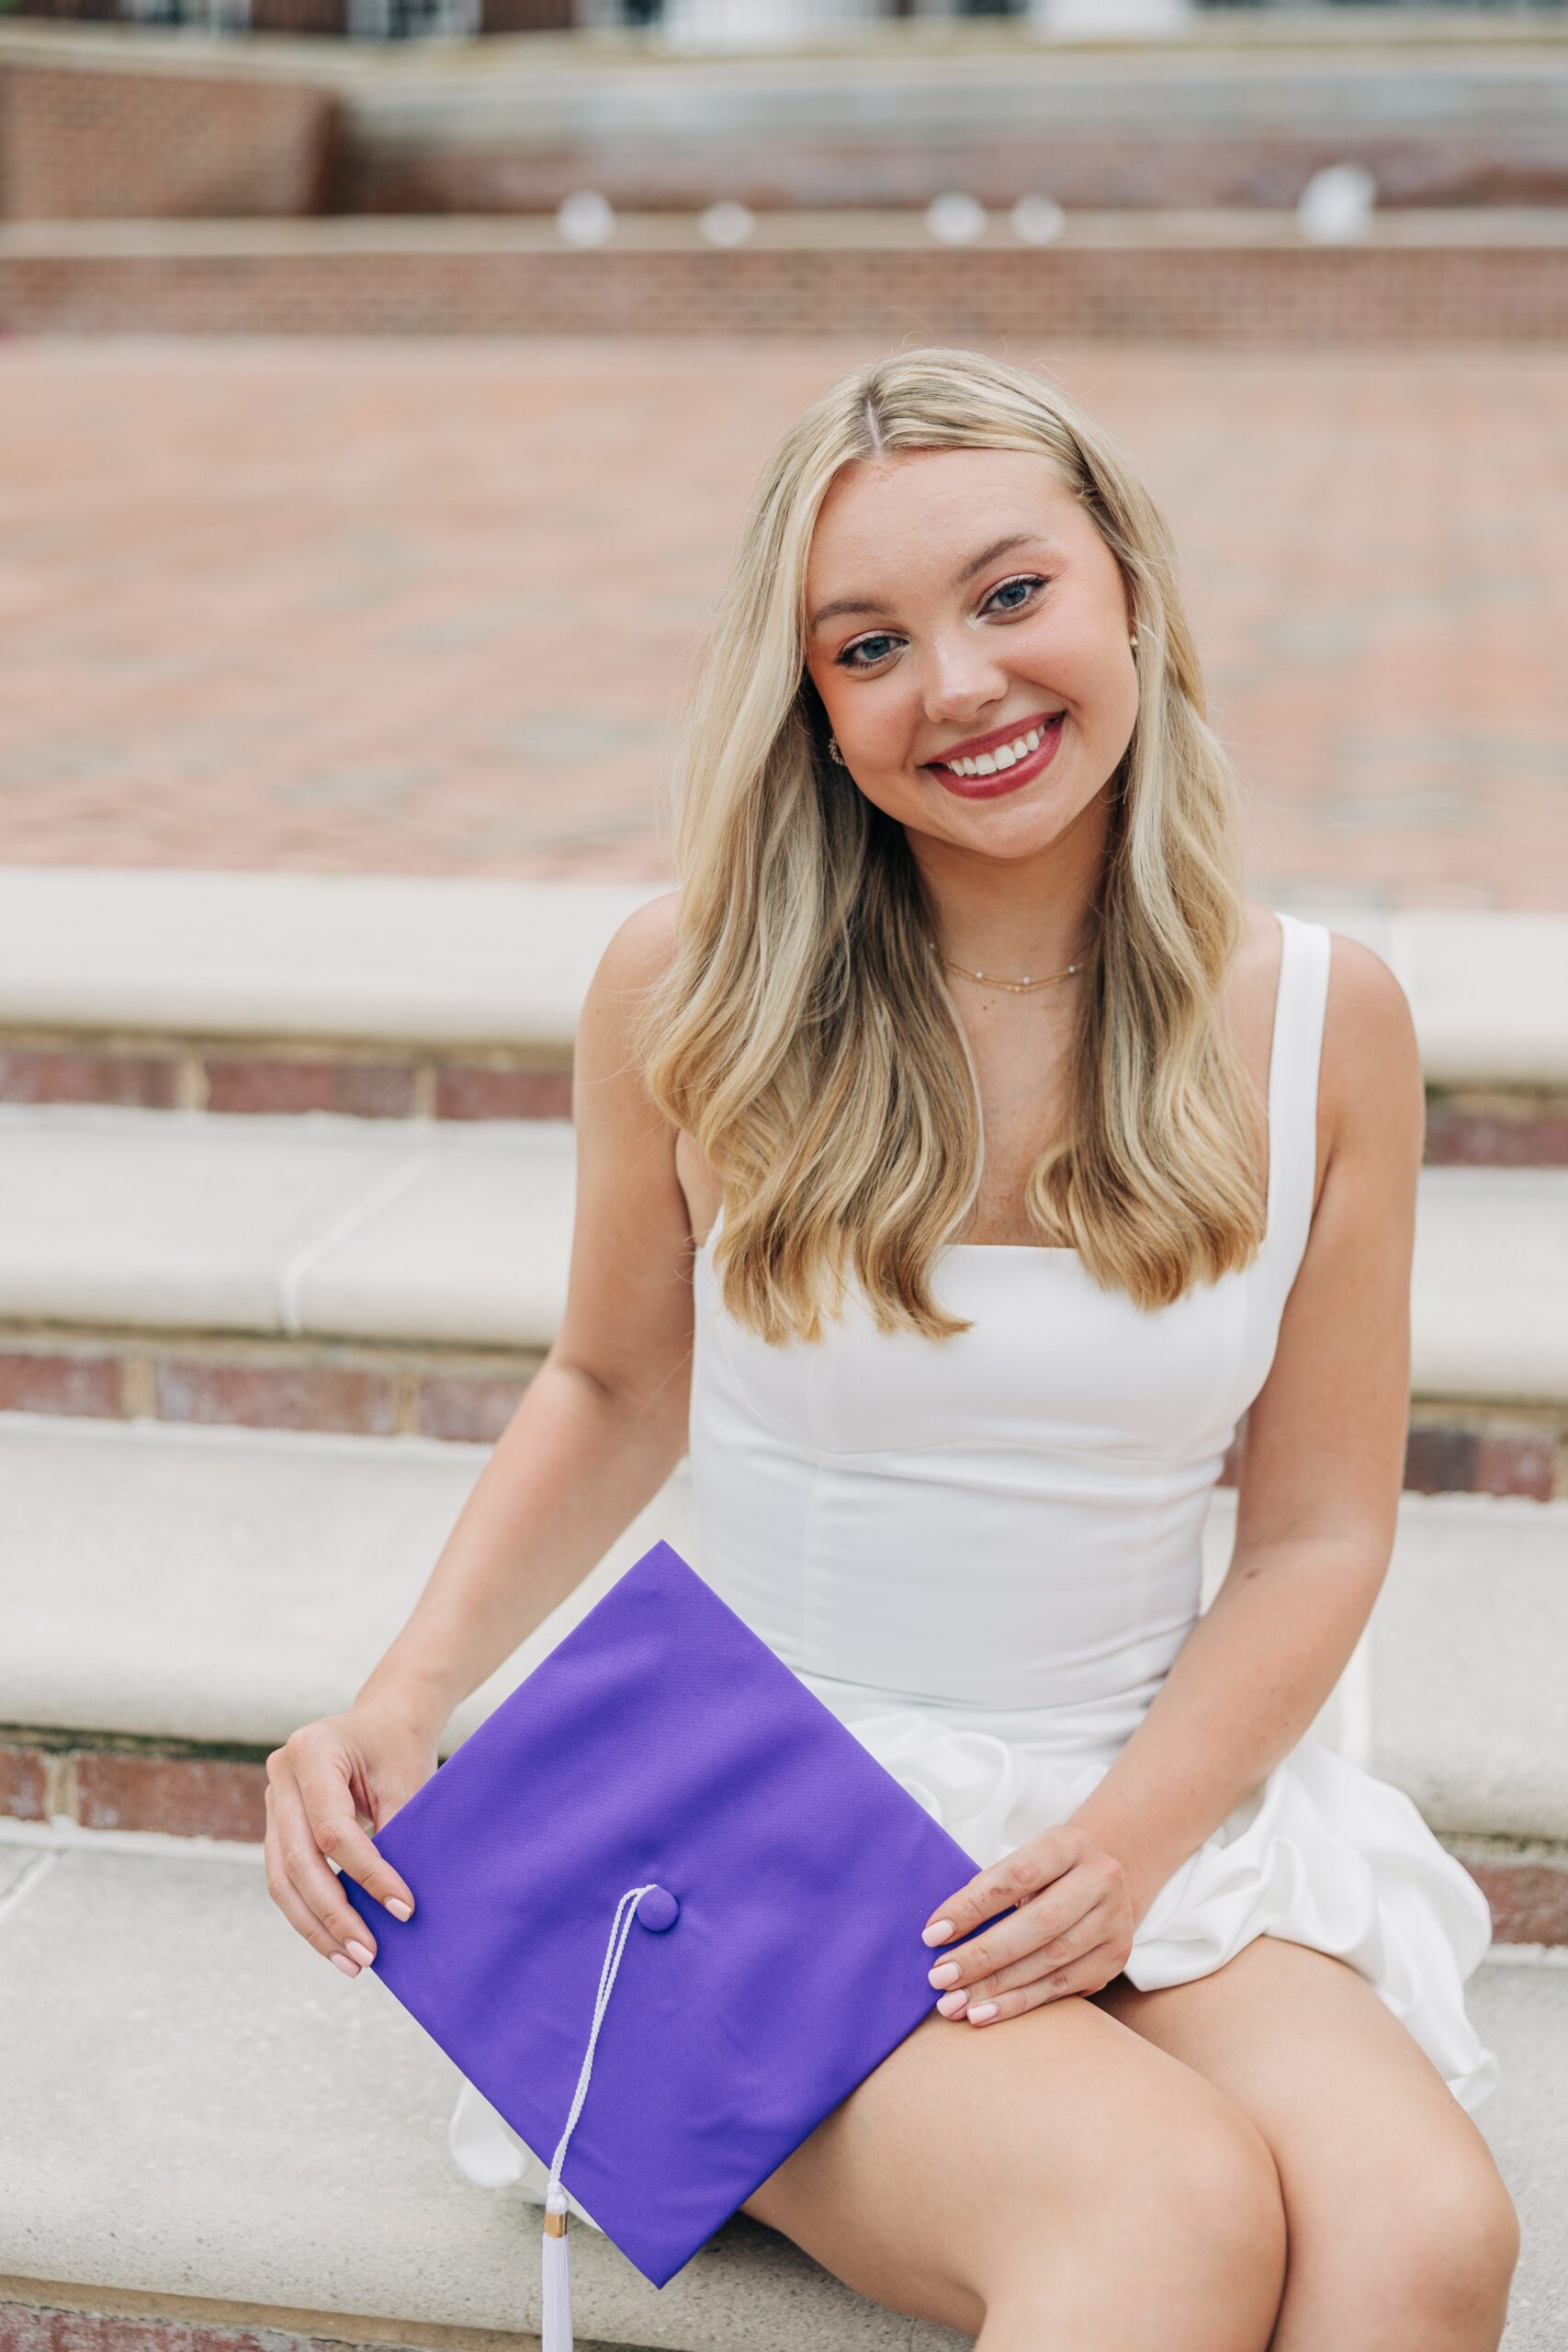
column 390, row 998
column 265, row 2158
column 375, row 997
column 1420, row 277
column 108, row 1781
column 1470, row 1128
column 406, row 1275
column 280, row 1383
column 878, row 113
column 153, row 1582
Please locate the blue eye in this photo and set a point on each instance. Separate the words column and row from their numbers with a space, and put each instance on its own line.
column 859, row 647
column 1028, row 581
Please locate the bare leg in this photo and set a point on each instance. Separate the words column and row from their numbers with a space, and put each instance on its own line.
column 1403, row 2238
column 1051, row 2179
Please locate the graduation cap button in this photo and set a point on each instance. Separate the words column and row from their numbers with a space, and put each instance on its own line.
column 659, row 1909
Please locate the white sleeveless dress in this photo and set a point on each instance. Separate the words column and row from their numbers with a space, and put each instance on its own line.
column 984, row 1553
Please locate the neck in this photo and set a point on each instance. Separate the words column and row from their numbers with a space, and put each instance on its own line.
column 1010, row 917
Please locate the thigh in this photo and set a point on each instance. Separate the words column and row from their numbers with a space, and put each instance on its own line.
column 1390, row 2190
column 972, row 2157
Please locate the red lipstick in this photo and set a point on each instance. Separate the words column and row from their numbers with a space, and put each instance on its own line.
column 988, row 788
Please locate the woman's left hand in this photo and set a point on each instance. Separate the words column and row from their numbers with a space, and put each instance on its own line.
column 1070, row 1932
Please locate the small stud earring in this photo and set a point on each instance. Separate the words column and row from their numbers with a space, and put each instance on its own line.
column 834, row 752
column 1133, row 643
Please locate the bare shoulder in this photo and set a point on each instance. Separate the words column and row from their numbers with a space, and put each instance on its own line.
column 1370, row 1085
column 1370, row 1091
column 639, row 949
column 637, row 954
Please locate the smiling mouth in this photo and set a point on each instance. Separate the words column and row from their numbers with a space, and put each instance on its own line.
column 1005, row 767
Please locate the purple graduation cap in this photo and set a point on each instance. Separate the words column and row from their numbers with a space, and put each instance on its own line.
column 662, row 1810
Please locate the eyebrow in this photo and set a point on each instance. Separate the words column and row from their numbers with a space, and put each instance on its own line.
column 986, row 556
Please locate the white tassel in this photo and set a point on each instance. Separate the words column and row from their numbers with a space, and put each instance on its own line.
column 556, row 2335
column 556, row 2325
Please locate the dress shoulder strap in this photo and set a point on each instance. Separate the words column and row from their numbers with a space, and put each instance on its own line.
column 1294, row 1061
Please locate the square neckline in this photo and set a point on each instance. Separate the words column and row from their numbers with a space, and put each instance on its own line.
column 1070, row 1249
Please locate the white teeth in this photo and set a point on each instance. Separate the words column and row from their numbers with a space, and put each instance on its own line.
column 1006, row 755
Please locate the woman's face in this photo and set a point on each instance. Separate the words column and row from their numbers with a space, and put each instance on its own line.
column 958, row 600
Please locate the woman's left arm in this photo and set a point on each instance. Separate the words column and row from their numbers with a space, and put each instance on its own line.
column 1322, row 1470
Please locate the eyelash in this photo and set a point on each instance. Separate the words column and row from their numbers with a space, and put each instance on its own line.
column 843, row 661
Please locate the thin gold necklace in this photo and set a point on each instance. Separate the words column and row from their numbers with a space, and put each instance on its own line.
column 1014, row 988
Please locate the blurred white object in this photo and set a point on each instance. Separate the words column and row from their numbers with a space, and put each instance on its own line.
column 1336, row 204
column 1112, row 17
column 955, row 219
column 585, row 218
column 725, row 222
column 1036, row 219
column 759, row 24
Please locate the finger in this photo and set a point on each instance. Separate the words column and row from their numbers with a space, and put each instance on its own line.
column 322, row 1778
column 300, row 1918
column 307, row 1869
column 1083, row 1975
column 1001, row 1887
column 1093, row 1927
column 975, row 1982
column 1018, row 1933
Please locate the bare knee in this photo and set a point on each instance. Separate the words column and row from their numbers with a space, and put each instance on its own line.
column 1223, row 2202
column 1176, row 2239
column 1439, row 2255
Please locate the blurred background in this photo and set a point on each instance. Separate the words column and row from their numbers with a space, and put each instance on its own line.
column 381, row 386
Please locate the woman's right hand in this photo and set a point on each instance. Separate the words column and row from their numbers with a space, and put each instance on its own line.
column 330, row 1782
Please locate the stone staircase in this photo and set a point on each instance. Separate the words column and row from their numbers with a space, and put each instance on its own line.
column 1179, row 171
column 251, row 1359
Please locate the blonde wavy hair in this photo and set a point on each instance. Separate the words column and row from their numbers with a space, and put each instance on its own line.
column 803, row 1034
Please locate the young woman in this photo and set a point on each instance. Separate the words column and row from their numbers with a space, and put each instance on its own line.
column 961, row 1156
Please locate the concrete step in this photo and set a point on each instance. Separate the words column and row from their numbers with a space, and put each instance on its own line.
column 154, row 1581
column 267, row 2146
column 405, row 1275
column 388, row 997
column 377, row 996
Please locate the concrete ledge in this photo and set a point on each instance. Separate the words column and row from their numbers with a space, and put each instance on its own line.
column 156, row 1581
column 311, row 1224
column 346, row 957
column 160, row 1581
column 391, row 960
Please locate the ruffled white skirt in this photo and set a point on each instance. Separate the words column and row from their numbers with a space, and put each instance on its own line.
column 1323, row 1853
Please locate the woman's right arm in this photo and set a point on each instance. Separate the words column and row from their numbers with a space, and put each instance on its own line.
column 600, row 1428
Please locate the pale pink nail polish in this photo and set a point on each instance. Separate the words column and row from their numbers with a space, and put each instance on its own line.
column 399, row 1909
column 340, row 1960
column 952, row 2002
column 986, row 2009
column 356, row 1950
column 938, row 1932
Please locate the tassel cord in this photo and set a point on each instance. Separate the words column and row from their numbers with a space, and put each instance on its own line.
column 557, row 2336
column 613, row 1952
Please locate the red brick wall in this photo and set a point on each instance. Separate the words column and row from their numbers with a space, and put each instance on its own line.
column 86, row 143
column 310, row 283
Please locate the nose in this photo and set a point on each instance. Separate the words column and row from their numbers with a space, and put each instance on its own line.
column 963, row 681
